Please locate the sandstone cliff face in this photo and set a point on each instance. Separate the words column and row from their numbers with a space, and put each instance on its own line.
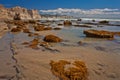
column 3, row 12
column 24, row 13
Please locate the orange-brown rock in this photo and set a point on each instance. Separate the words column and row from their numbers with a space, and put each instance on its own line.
column 67, row 23
column 52, row 38
column 48, row 28
column 34, row 43
column 98, row 34
column 66, row 70
column 116, row 33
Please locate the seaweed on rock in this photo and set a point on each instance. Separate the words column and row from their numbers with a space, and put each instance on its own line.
column 66, row 70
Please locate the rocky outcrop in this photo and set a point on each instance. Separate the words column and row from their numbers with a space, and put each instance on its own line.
column 99, row 34
column 9, row 13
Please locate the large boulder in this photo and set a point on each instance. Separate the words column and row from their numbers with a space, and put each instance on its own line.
column 52, row 38
column 98, row 34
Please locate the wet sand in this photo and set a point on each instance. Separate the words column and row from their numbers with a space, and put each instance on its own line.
column 34, row 63
column 7, row 61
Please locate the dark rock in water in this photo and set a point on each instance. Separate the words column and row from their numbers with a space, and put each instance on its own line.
column 15, row 30
column 60, row 24
column 85, row 25
column 93, row 20
column 57, row 28
column 52, row 38
column 79, row 19
column 26, row 30
column 30, row 34
column 48, row 28
column 67, row 23
column 99, row 34
column 104, row 22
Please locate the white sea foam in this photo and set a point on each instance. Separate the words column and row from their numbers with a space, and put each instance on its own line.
column 99, row 14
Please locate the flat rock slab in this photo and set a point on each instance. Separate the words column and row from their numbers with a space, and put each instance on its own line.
column 7, row 70
column 98, row 34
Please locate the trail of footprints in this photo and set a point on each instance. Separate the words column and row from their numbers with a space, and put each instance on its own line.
column 102, row 70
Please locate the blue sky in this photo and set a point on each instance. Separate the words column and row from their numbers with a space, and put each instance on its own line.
column 53, row 4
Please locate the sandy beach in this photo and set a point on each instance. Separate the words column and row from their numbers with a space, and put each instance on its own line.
column 34, row 63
